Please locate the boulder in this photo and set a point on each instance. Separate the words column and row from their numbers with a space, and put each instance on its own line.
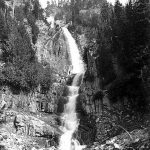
column 11, row 141
column 33, row 107
column 32, row 126
column 5, row 100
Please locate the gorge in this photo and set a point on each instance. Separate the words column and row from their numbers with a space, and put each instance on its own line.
column 74, row 75
column 70, row 119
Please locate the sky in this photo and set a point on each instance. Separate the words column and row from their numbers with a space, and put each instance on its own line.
column 44, row 2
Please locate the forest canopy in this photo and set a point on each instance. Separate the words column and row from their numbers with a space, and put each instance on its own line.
column 21, row 70
column 119, row 38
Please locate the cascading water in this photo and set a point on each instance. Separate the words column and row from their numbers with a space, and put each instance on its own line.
column 70, row 121
column 76, row 60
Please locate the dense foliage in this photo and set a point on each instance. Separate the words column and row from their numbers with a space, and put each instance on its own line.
column 21, row 70
column 118, row 38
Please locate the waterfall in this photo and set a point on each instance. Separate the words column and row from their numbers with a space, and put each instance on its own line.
column 70, row 120
column 76, row 60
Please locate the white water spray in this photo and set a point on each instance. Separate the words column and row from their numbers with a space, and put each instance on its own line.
column 70, row 120
column 51, row 20
column 76, row 60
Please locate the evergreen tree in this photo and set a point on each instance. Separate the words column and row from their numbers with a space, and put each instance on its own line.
column 2, row 4
column 3, row 29
column 104, row 61
column 36, row 9
column 75, row 8
column 130, row 40
column 22, row 71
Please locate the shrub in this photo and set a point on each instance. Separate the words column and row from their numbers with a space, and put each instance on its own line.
column 22, row 71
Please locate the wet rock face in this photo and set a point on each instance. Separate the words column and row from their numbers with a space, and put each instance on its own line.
column 65, row 91
column 70, row 79
column 61, row 103
column 64, row 98
column 87, row 90
column 87, row 128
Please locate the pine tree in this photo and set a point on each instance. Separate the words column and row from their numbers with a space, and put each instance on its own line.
column 36, row 9
column 2, row 4
column 104, row 33
column 130, row 40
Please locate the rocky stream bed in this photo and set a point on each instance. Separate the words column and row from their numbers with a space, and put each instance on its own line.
column 28, row 131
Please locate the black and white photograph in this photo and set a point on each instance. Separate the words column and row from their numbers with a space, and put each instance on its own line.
column 74, row 74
